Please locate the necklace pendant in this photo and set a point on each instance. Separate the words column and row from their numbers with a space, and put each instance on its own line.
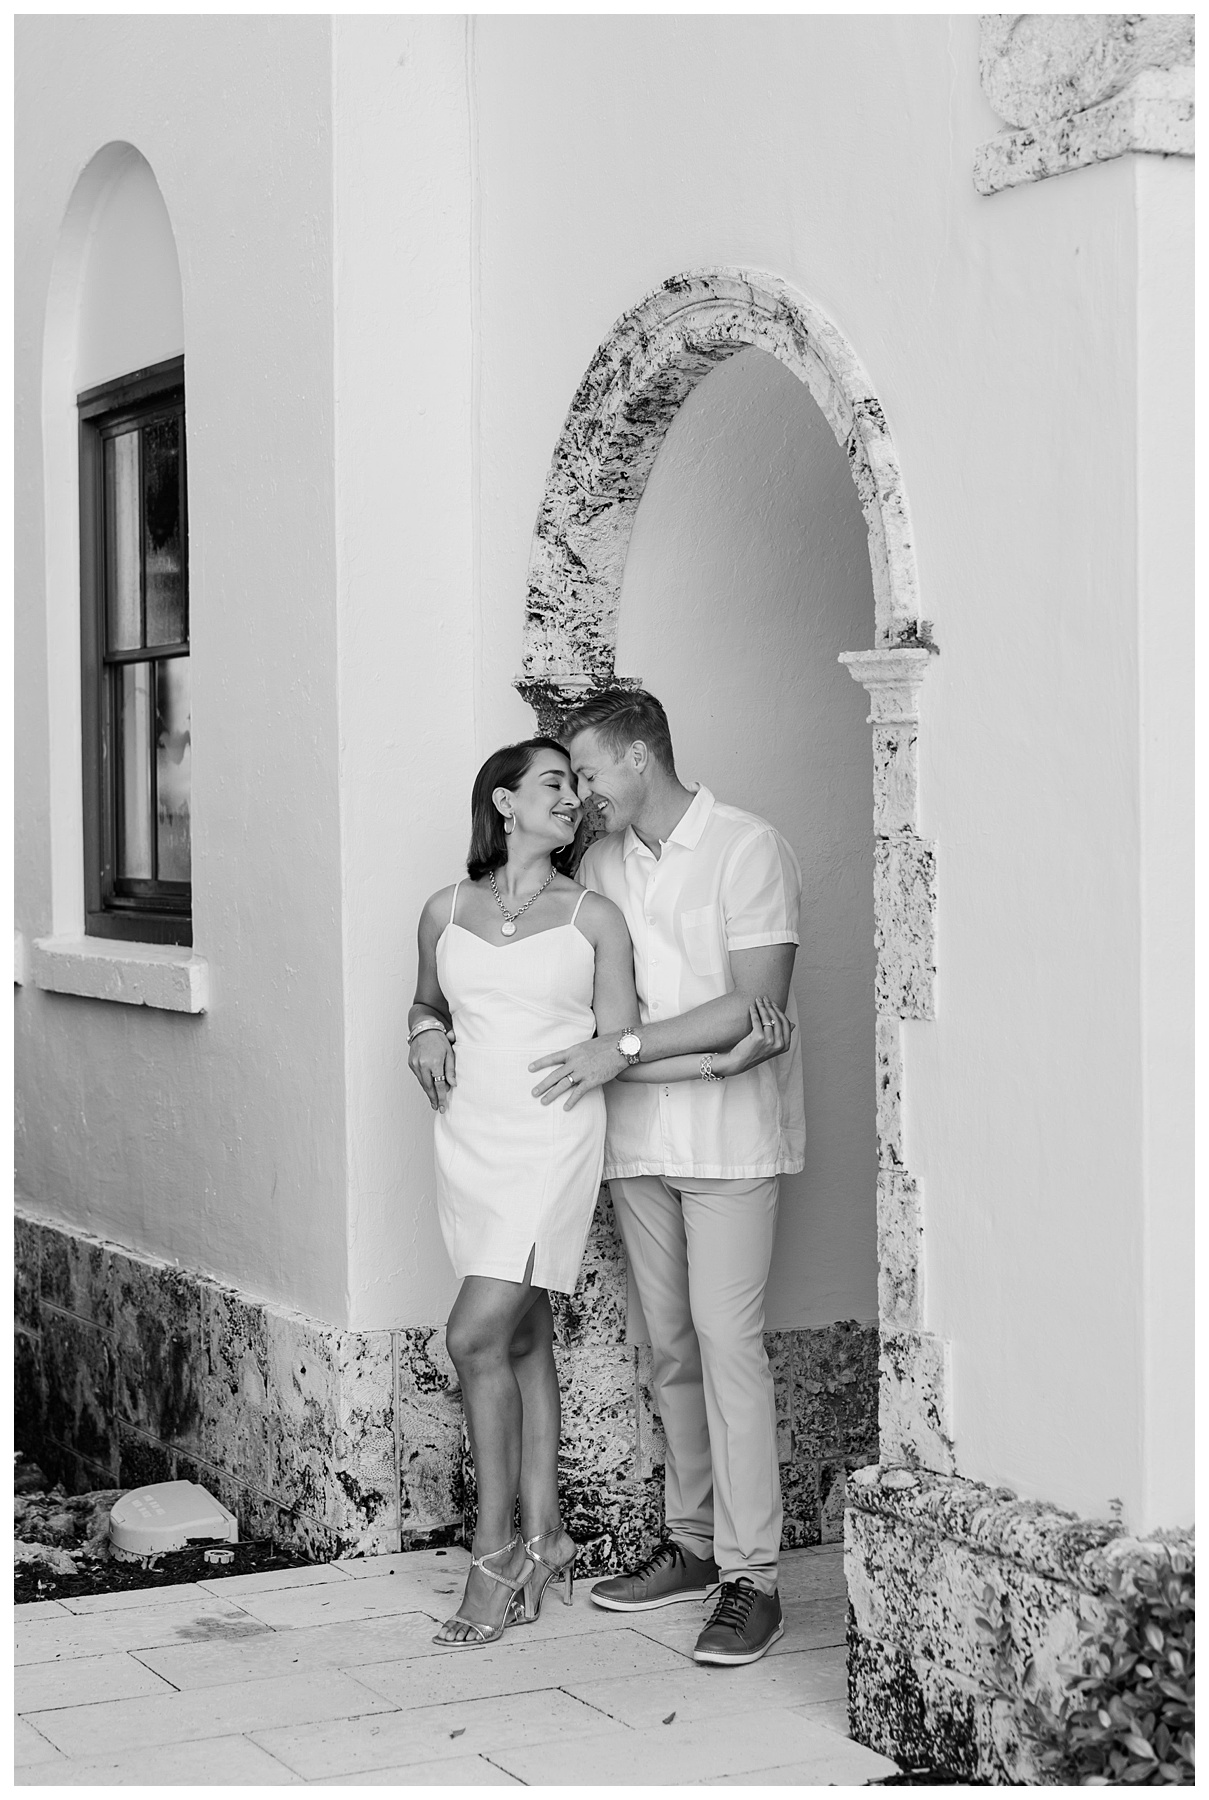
column 508, row 928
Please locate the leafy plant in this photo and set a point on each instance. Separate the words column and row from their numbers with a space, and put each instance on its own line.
column 1128, row 1716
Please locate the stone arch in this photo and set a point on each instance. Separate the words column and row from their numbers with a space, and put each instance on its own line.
column 618, row 419
column 649, row 362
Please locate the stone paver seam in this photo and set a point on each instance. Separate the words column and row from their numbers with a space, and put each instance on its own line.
column 76, row 1705
column 215, row 1588
column 111, row 1699
column 150, row 1650
column 115, row 1700
column 222, row 1737
column 27, row 1720
column 685, row 1655
column 603, row 1711
column 172, row 1595
column 246, row 1738
column 492, row 1764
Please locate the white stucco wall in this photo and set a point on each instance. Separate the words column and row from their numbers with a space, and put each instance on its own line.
column 409, row 742
column 747, row 575
column 498, row 194
column 1164, row 201
column 214, row 1140
column 1061, row 1017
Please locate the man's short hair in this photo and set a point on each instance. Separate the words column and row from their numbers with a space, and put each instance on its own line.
column 621, row 717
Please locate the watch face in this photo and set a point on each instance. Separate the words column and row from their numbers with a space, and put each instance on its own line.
column 629, row 1043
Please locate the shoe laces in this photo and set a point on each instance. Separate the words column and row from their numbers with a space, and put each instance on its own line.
column 734, row 1604
column 668, row 1550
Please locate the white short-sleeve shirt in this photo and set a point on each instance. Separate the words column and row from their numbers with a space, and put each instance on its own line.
column 724, row 880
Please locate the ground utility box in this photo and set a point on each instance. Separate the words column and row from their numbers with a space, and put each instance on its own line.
column 168, row 1516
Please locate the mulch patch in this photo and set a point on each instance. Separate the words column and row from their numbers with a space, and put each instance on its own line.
column 63, row 1549
column 926, row 1778
column 108, row 1575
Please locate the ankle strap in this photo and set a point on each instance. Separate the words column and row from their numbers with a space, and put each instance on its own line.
column 480, row 1562
column 531, row 1550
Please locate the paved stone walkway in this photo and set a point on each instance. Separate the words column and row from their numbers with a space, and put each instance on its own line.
column 328, row 1675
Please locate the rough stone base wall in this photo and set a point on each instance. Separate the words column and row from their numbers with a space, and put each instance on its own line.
column 921, row 1552
column 130, row 1371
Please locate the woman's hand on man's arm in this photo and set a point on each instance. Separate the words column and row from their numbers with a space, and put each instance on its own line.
column 771, row 1031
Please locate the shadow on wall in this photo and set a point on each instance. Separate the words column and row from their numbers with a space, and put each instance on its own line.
column 747, row 575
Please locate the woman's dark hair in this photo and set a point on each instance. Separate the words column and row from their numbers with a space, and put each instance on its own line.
column 506, row 768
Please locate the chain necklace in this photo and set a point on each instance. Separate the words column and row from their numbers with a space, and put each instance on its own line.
column 508, row 928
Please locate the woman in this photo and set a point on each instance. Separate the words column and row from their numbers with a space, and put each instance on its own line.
column 515, row 962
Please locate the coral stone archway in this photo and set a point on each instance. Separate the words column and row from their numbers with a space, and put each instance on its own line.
column 649, row 362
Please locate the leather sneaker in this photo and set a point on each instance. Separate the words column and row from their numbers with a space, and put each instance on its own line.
column 744, row 1624
column 664, row 1578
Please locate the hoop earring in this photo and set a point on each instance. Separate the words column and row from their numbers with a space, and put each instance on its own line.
column 509, row 823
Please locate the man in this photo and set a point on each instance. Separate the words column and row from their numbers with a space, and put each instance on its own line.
column 711, row 896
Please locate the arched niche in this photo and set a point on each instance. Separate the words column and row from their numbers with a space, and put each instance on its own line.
column 114, row 305
column 646, row 366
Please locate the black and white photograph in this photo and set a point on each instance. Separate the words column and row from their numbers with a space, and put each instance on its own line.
column 603, row 734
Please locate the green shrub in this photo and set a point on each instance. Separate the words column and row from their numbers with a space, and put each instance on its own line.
column 1128, row 1716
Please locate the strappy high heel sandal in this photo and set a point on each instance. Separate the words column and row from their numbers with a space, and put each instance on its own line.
column 487, row 1634
column 529, row 1604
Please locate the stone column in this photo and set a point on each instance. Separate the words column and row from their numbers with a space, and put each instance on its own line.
column 913, row 1408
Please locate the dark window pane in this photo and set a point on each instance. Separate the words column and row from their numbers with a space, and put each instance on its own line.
column 134, row 740
column 162, row 549
column 173, row 762
column 122, row 541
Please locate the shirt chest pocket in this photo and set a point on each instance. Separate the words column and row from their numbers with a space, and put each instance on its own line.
column 701, row 935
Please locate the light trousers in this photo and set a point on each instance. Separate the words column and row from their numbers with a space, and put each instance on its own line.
column 699, row 1253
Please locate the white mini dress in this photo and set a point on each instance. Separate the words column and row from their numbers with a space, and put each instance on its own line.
column 514, row 1175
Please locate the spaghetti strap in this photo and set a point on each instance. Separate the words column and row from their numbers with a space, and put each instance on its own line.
column 516, row 1180
column 454, row 907
column 578, row 904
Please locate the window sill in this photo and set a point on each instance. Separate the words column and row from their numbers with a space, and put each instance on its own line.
column 167, row 976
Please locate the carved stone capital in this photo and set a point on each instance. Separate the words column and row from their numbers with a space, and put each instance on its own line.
column 553, row 696
column 1083, row 88
column 893, row 678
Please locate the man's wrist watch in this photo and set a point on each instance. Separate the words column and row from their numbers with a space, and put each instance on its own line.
column 630, row 1045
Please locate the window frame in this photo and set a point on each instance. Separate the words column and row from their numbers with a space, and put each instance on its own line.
column 150, row 912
